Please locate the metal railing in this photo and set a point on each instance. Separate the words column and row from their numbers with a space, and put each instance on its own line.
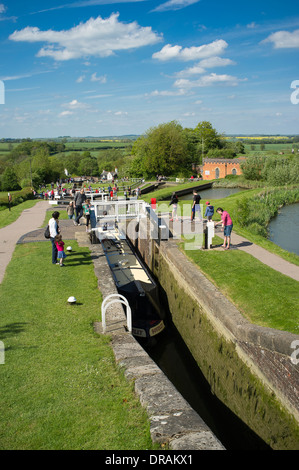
column 118, row 298
column 118, row 210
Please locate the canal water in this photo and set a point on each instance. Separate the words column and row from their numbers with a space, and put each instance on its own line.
column 212, row 193
column 284, row 228
column 174, row 358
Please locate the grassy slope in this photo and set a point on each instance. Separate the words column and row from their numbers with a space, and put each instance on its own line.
column 60, row 386
column 264, row 296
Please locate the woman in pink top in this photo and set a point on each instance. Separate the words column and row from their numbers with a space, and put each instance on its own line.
column 227, row 224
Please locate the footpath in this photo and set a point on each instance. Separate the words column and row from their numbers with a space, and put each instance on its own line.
column 29, row 220
column 28, row 227
column 270, row 259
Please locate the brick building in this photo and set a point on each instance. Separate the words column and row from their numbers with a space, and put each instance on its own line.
column 214, row 168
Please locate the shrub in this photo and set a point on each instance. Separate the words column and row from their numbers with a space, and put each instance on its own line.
column 241, row 215
column 258, row 229
column 9, row 180
column 17, row 198
column 255, row 213
column 252, row 167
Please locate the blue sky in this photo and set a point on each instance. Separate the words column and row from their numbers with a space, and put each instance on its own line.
column 108, row 67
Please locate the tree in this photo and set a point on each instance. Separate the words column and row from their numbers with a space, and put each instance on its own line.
column 109, row 159
column 162, row 150
column 71, row 162
column 9, row 180
column 207, row 137
column 89, row 166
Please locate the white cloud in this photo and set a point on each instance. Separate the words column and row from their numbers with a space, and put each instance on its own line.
column 3, row 9
column 102, row 79
column 251, row 25
column 72, row 107
column 25, row 75
column 75, row 104
column 80, row 79
column 195, row 70
column 215, row 62
column 204, row 64
column 97, row 37
column 179, row 92
column 284, row 39
column 65, row 113
column 98, row 96
column 117, row 113
column 175, row 5
column 207, row 80
column 169, row 52
column 86, row 3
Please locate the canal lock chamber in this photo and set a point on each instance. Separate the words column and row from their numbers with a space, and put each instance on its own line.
column 203, row 360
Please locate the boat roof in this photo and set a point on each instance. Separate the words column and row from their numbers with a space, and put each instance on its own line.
column 124, row 263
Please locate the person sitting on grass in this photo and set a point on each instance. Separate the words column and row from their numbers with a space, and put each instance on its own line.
column 227, row 225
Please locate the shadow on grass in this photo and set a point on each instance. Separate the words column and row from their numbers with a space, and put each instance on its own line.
column 77, row 259
column 11, row 329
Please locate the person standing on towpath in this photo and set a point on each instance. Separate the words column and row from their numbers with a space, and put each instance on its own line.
column 80, row 198
column 195, row 205
column 227, row 225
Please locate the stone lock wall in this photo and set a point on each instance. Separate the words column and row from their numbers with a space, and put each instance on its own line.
column 221, row 340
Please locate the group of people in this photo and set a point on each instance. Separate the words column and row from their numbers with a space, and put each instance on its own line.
column 75, row 210
column 78, row 207
column 81, row 206
column 225, row 221
column 58, row 253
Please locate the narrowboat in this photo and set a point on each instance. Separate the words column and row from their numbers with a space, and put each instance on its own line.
column 134, row 282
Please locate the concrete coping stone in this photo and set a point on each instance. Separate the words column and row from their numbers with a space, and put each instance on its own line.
column 204, row 440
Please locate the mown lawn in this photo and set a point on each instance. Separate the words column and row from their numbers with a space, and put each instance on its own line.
column 60, row 386
column 264, row 296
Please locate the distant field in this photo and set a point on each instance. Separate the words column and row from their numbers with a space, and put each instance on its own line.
column 262, row 137
column 6, row 146
column 95, row 146
column 81, row 146
column 271, row 147
column 77, row 146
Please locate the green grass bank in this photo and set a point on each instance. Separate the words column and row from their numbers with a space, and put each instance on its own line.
column 60, row 386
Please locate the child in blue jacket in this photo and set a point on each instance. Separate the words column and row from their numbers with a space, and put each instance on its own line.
column 209, row 211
